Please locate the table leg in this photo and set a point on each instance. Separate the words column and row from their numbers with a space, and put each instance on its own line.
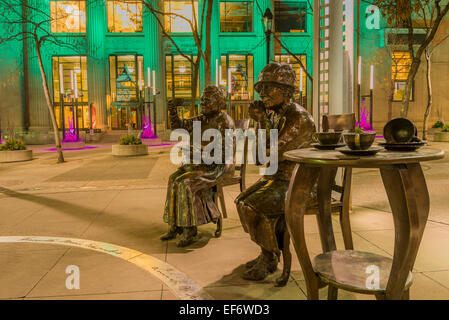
column 301, row 183
column 409, row 200
column 324, row 219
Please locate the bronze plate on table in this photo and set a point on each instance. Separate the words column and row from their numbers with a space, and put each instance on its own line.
column 405, row 146
column 327, row 146
column 368, row 152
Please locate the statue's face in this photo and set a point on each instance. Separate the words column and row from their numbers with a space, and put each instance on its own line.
column 210, row 103
column 272, row 95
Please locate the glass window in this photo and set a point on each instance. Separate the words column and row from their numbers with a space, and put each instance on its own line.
column 290, row 16
column 74, row 74
column 236, row 16
column 240, row 70
column 285, row 58
column 179, row 75
column 125, row 77
column 183, row 8
column 68, row 16
column 400, row 68
column 237, row 71
column 124, row 16
column 126, row 81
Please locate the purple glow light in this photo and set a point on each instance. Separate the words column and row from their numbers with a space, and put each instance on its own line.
column 86, row 147
column 161, row 145
column 147, row 133
column 70, row 135
column 364, row 124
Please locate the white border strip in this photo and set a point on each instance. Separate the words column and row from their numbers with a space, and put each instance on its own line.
column 178, row 282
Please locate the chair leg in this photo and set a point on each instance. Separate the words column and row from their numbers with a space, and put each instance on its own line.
column 222, row 200
column 406, row 295
column 332, row 293
column 219, row 227
column 346, row 229
column 287, row 261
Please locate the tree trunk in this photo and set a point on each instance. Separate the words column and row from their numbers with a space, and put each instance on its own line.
column 408, row 86
column 196, row 70
column 429, row 93
column 207, row 52
column 49, row 104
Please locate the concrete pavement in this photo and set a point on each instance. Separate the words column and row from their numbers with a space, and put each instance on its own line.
column 119, row 201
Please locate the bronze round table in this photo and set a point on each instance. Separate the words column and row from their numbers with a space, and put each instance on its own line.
column 351, row 270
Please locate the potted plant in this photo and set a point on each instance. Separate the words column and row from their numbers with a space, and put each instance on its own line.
column 443, row 135
column 436, row 127
column 13, row 150
column 129, row 145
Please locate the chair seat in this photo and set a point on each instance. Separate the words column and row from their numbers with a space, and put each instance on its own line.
column 231, row 180
column 350, row 270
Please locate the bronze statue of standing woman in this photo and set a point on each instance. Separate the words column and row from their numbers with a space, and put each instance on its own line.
column 261, row 207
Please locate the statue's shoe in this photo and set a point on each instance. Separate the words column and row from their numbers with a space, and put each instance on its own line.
column 261, row 269
column 187, row 237
column 253, row 262
column 172, row 232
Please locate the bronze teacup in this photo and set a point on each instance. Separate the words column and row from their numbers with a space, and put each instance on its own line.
column 359, row 141
column 327, row 138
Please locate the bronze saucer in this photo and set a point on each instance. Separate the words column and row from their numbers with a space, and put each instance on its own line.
column 368, row 152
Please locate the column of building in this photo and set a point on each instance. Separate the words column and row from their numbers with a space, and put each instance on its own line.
column 40, row 123
column 335, row 57
column 154, row 60
column 96, row 60
column 260, row 53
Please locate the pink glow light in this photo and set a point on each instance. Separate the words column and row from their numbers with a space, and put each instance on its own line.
column 86, row 147
column 147, row 133
column 70, row 135
column 364, row 123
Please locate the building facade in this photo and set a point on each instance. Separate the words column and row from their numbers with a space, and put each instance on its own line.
column 116, row 62
column 113, row 49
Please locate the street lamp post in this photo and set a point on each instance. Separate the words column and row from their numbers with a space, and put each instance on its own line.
column 268, row 22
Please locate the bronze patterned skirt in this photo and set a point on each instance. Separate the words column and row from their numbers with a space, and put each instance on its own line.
column 190, row 195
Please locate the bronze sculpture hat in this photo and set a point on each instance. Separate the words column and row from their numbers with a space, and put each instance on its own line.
column 277, row 73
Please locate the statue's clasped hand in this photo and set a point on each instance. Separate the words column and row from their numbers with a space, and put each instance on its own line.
column 257, row 111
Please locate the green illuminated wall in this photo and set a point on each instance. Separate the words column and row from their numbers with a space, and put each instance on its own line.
column 97, row 44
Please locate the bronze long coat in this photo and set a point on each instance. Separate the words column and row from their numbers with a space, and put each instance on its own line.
column 189, row 200
column 266, row 197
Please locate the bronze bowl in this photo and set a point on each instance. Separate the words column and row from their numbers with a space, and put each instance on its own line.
column 399, row 130
column 359, row 141
column 328, row 138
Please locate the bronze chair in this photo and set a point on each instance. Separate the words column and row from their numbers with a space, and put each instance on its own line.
column 238, row 178
column 341, row 206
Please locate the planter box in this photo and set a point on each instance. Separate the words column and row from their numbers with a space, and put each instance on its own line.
column 73, row 145
column 441, row 137
column 129, row 150
column 16, row 155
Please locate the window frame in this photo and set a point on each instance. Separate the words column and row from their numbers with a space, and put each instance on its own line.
column 168, row 30
column 396, row 81
column 247, row 11
column 67, row 103
column 54, row 21
column 113, row 15
column 173, row 91
column 250, row 77
column 275, row 22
